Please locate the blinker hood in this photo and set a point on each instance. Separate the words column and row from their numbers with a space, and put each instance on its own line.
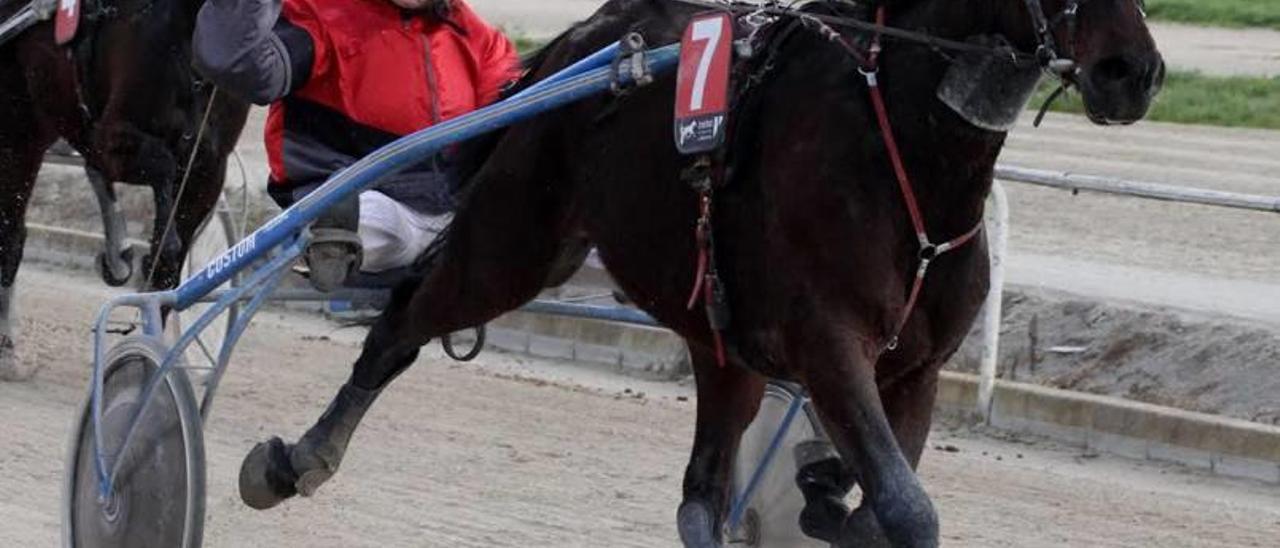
column 989, row 91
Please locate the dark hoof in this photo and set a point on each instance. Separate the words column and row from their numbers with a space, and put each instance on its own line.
column 697, row 526
column 116, row 273
column 824, row 519
column 825, row 485
column 266, row 477
column 11, row 368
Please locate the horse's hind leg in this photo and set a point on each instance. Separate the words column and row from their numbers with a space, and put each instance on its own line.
column 728, row 398
column 500, row 249
column 274, row 471
column 22, row 144
column 840, row 375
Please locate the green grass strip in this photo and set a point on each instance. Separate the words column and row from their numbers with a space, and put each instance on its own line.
column 1222, row 13
column 526, row 45
column 1192, row 98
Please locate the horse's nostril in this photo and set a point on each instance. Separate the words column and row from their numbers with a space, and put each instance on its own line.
column 1156, row 76
column 1113, row 69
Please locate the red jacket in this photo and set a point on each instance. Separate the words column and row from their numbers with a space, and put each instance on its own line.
column 375, row 74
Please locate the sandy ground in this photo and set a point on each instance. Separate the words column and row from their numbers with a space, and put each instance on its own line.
column 1216, row 51
column 1220, row 52
column 512, row 452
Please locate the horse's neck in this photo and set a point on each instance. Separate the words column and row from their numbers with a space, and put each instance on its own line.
column 950, row 161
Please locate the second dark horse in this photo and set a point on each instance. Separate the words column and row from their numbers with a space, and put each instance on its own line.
column 124, row 95
column 814, row 242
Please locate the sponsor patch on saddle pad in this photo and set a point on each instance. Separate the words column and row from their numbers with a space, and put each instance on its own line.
column 702, row 84
column 66, row 21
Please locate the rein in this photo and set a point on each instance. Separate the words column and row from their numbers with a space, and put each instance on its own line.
column 877, row 28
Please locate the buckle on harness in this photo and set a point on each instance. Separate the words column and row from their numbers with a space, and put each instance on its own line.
column 871, row 74
column 631, row 68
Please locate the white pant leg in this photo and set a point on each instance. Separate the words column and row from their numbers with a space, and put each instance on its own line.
column 392, row 234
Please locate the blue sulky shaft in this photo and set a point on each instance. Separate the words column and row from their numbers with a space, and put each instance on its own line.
column 601, row 58
column 408, row 150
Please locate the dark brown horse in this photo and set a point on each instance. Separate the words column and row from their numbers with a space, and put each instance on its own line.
column 124, row 95
column 815, row 244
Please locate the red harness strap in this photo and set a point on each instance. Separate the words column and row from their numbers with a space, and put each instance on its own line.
column 928, row 250
column 705, row 278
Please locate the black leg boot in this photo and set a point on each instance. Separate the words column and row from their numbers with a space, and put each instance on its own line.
column 318, row 454
column 825, row 484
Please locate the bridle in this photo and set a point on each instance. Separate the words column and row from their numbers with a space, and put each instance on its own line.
column 1047, row 51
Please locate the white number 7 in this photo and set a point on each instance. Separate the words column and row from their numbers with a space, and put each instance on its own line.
column 709, row 30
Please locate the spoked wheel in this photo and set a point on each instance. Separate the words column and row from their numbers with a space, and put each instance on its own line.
column 214, row 238
column 473, row 343
column 772, row 517
column 159, row 495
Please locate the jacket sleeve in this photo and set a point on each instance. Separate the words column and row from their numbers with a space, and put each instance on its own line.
column 249, row 49
column 500, row 63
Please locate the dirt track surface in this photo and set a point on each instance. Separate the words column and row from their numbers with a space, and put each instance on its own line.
column 1195, row 257
column 510, row 452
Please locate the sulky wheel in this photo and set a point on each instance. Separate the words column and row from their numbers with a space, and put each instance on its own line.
column 476, row 342
column 772, row 517
column 158, row 498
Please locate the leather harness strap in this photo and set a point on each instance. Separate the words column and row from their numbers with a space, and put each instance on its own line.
column 870, row 69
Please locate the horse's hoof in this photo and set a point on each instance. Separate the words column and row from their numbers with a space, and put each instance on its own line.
column 697, row 526
column 116, row 273
column 822, row 480
column 266, row 477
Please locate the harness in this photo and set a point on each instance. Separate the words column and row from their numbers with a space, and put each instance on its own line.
column 706, row 175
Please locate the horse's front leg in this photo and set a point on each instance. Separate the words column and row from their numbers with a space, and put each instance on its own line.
column 500, row 250
column 116, row 261
column 728, row 398
column 908, row 404
column 839, row 371
column 163, row 264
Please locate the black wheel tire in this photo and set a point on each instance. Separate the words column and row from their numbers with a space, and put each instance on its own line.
column 447, row 343
column 105, row 271
column 773, row 516
column 159, row 496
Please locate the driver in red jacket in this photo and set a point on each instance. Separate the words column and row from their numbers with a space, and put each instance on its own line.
column 343, row 78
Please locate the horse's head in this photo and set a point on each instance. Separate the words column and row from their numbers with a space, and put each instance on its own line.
column 1116, row 65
